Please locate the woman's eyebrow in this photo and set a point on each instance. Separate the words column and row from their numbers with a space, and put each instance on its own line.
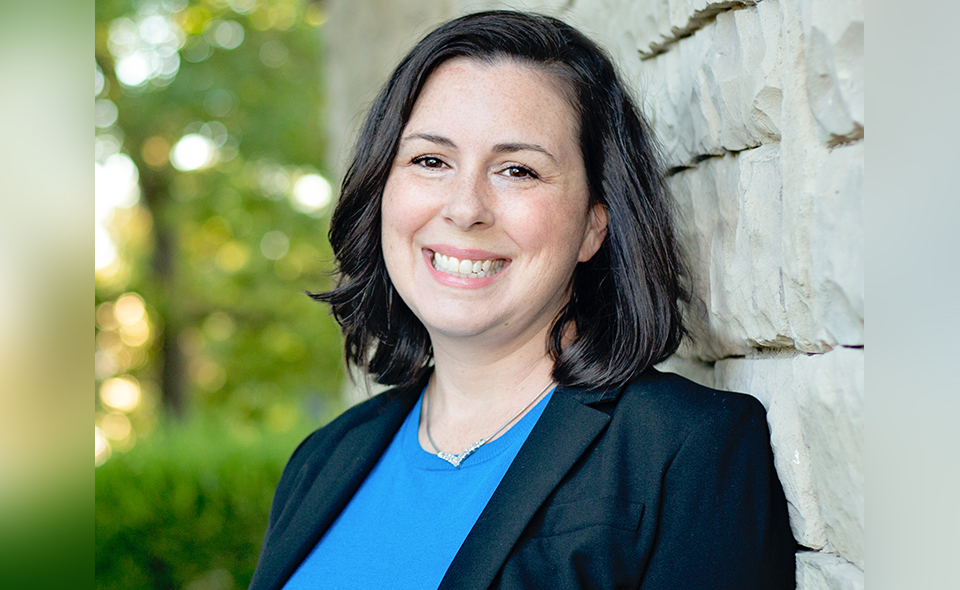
column 507, row 148
column 437, row 139
column 500, row 148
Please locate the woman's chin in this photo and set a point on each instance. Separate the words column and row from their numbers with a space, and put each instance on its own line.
column 457, row 327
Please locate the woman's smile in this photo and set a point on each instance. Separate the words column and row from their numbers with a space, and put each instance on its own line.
column 466, row 268
column 461, row 268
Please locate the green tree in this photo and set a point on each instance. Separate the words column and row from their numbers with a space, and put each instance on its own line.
column 212, row 212
column 217, row 104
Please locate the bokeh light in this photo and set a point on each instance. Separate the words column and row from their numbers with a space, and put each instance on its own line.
column 193, row 152
column 104, row 251
column 141, row 51
column 224, row 34
column 243, row 6
column 101, row 448
column 116, row 426
column 233, row 256
column 196, row 50
column 129, row 309
column 311, row 193
column 104, row 113
column 105, row 364
column 219, row 326
column 106, row 320
column 275, row 245
column 121, row 393
column 220, row 103
column 216, row 132
column 274, row 54
column 207, row 374
column 136, row 334
column 146, row 49
column 115, row 185
column 107, row 142
column 275, row 180
column 99, row 81
column 155, row 151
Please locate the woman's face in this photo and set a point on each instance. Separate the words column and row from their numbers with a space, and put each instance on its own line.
column 486, row 210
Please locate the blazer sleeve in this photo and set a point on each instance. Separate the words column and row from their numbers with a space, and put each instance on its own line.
column 288, row 478
column 722, row 518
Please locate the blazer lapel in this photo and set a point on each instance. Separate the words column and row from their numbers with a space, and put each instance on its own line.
column 548, row 454
column 327, row 488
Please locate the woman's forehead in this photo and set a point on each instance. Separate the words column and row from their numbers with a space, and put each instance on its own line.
column 545, row 75
column 471, row 96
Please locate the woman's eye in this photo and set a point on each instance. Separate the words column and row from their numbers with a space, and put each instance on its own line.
column 519, row 172
column 429, row 162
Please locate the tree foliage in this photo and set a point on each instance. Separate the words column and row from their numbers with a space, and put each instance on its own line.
column 220, row 253
column 172, row 517
column 212, row 214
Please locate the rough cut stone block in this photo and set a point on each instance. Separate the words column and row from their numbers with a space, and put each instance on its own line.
column 831, row 417
column 835, row 231
column 655, row 25
column 833, row 50
column 776, row 383
column 825, row 571
column 823, row 244
column 621, row 26
column 718, row 90
column 771, row 268
column 730, row 222
column 616, row 26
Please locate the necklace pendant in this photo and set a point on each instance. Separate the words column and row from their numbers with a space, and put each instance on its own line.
column 452, row 459
column 456, row 460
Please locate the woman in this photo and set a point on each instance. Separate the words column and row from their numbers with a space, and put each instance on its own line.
column 507, row 261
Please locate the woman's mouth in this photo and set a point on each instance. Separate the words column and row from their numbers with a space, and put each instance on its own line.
column 465, row 268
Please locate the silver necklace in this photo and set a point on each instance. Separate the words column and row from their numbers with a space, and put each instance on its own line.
column 456, row 460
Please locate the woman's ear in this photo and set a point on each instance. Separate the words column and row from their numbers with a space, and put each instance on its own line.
column 595, row 233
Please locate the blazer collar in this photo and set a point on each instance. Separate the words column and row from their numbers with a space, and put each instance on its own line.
column 550, row 451
column 327, row 484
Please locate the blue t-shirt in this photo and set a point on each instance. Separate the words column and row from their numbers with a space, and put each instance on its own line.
column 411, row 514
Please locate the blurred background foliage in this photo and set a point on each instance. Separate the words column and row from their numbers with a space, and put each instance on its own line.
column 212, row 208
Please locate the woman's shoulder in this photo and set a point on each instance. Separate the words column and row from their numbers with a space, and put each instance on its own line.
column 392, row 401
column 674, row 393
column 676, row 408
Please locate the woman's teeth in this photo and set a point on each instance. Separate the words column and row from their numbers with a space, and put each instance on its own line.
column 466, row 269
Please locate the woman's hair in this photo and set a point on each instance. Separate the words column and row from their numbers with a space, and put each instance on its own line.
column 625, row 301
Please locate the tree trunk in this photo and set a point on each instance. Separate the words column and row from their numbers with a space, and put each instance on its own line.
column 154, row 185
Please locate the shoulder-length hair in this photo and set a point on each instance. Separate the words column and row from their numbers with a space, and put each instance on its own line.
column 625, row 301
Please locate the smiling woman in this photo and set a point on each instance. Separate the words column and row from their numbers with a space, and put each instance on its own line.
column 507, row 260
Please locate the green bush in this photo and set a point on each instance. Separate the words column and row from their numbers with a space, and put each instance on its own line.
column 187, row 507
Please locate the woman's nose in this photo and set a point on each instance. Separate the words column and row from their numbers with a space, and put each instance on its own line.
column 467, row 204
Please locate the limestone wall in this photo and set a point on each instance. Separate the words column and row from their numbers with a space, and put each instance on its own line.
column 759, row 107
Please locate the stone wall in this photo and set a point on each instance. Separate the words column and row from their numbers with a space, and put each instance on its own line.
column 759, row 108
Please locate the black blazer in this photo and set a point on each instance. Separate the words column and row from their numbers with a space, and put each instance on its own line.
column 663, row 484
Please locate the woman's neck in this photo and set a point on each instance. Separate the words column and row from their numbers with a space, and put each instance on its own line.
column 475, row 390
